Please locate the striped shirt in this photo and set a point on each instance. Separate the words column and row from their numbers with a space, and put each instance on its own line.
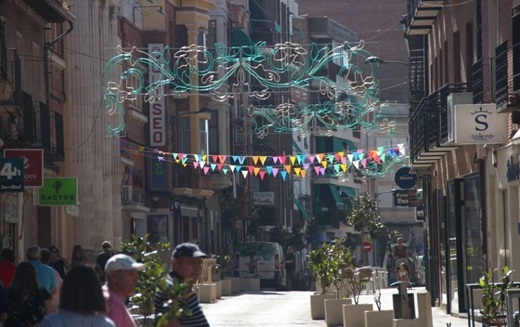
column 196, row 319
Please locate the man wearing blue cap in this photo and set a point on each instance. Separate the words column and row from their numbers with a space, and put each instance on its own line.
column 186, row 268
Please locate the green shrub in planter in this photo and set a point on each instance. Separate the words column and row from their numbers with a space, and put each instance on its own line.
column 494, row 303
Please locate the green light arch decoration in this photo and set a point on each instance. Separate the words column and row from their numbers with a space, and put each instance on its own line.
column 267, row 75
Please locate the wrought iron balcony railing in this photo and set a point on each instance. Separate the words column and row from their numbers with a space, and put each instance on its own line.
column 501, row 76
column 11, row 85
column 477, row 81
column 428, row 124
column 420, row 15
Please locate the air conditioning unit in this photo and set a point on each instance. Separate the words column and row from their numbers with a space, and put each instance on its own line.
column 453, row 100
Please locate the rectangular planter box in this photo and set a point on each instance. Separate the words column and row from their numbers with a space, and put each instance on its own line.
column 318, row 305
column 207, row 293
column 379, row 318
column 333, row 312
column 249, row 284
column 219, row 289
column 354, row 315
column 235, row 284
column 226, row 287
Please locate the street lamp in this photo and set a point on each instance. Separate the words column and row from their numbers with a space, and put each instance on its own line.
column 378, row 61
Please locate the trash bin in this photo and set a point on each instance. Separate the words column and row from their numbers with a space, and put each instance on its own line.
column 404, row 306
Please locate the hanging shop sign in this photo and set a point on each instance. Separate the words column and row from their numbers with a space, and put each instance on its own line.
column 479, row 124
column 157, row 107
column 59, row 191
column 263, row 199
column 11, row 175
column 404, row 179
column 32, row 164
column 407, row 198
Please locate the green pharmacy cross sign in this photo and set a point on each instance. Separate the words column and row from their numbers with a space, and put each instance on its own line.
column 59, row 191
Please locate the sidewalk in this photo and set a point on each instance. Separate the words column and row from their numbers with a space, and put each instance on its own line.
column 440, row 318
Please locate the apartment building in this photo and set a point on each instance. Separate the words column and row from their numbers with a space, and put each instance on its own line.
column 471, row 60
column 34, row 107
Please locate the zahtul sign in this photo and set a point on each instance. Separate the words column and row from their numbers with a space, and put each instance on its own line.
column 157, row 107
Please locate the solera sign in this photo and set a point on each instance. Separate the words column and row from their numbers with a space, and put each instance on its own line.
column 157, row 108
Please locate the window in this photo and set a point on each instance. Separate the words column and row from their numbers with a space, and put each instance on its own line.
column 516, row 50
column 213, row 133
column 184, row 135
column 58, row 126
column 204, row 136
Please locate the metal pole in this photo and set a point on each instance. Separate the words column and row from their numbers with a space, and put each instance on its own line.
column 21, row 247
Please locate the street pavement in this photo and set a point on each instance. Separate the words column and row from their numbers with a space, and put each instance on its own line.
column 271, row 308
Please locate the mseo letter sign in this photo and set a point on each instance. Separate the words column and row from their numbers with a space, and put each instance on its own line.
column 157, row 108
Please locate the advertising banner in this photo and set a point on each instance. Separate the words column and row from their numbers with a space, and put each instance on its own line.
column 11, row 175
column 157, row 107
column 32, row 162
column 59, row 191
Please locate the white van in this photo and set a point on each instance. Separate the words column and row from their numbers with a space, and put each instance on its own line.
column 263, row 260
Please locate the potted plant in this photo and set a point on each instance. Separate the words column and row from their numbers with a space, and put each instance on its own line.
column 225, row 274
column 378, row 317
column 318, row 263
column 339, row 258
column 494, row 305
column 354, row 314
column 152, row 279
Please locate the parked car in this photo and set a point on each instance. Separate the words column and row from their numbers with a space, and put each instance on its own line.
column 263, row 260
column 415, row 266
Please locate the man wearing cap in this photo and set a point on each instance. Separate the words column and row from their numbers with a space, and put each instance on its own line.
column 121, row 273
column 186, row 267
column 102, row 259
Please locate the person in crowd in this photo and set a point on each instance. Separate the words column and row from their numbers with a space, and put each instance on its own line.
column 28, row 301
column 44, row 273
column 4, row 304
column 400, row 251
column 186, row 267
column 122, row 275
column 46, row 260
column 7, row 267
column 78, row 256
column 82, row 303
column 57, row 262
column 290, row 268
column 102, row 259
column 403, row 272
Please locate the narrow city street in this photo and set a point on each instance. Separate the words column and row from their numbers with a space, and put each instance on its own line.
column 265, row 308
column 271, row 308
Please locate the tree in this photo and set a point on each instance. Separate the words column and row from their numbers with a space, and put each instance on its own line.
column 365, row 217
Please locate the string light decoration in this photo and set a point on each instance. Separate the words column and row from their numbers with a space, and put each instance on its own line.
column 261, row 73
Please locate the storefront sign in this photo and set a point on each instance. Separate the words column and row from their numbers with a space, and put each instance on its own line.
column 33, row 164
column 404, row 179
column 479, row 124
column 11, row 209
column 157, row 107
column 263, row 199
column 157, row 175
column 59, row 191
column 407, row 198
column 11, row 175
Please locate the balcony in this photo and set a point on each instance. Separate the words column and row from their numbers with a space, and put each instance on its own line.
column 51, row 11
column 429, row 126
column 506, row 100
column 11, row 85
column 477, row 81
column 132, row 199
column 420, row 16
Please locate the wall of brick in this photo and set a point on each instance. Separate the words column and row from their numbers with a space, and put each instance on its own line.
column 378, row 23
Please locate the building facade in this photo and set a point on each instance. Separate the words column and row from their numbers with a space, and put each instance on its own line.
column 468, row 169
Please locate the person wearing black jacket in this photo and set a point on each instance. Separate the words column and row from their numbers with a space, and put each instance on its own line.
column 186, row 268
column 290, row 268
